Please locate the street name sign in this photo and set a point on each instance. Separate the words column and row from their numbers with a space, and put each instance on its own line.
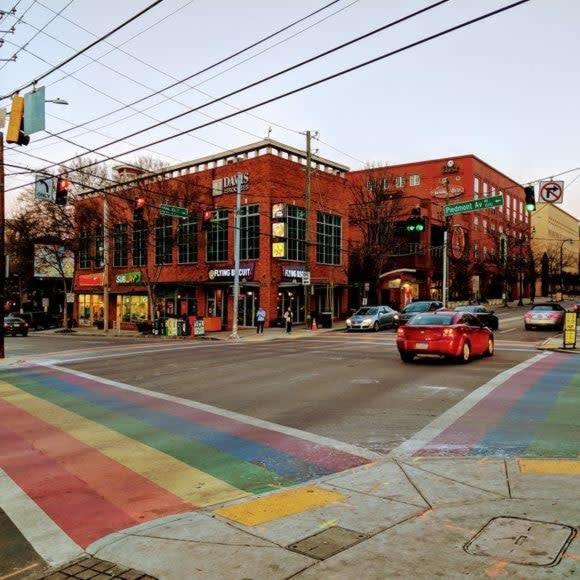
column 45, row 187
column 173, row 211
column 473, row 205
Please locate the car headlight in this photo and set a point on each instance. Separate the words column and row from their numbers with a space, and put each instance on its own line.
column 368, row 321
column 348, row 321
column 396, row 317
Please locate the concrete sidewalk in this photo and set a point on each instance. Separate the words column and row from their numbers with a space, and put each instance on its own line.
column 398, row 517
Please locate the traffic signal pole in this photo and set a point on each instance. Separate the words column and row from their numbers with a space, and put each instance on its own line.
column 105, row 263
column 308, row 200
column 2, row 249
column 236, row 305
column 445, row 280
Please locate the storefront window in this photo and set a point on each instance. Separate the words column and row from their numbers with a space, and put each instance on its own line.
column 328, row 233
column 215, row 302
column 250, row 232
column 296, row 249
column 217, row 237
column 90, row 308
column 133, row 308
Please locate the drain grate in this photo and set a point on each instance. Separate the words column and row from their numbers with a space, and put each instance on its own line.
column 522, row 541
column 327, row 543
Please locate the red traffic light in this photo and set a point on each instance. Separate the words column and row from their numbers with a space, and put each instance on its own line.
column 62, row 184
column 139, row 203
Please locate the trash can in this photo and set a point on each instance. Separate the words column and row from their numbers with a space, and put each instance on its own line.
column 325, row 319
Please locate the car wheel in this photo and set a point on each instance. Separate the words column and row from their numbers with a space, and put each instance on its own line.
column 465, row 353
column 490, row 347
column 376, row 326
column 407, row 357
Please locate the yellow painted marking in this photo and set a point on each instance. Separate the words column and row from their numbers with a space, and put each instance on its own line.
column 279, row 505
column 171, row 474
column 550, row 466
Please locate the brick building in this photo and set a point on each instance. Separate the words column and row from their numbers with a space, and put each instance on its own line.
column 172, row 266
column 489, row 249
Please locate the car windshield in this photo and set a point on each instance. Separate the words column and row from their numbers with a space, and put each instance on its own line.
column 431, row 320
column 365, row 311
column 13, row 319
column 417, row 307
column 545, row 307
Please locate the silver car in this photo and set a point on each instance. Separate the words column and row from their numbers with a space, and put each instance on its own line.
column 371, row 318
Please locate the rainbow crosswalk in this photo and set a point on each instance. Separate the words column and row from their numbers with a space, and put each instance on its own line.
column 98, row 457
column 534, row 413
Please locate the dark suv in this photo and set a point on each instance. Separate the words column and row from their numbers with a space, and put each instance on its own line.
column 414, row 308
column 37, row 320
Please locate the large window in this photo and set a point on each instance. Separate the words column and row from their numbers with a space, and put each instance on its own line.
column 132, row 308
column 414, row 179
column 121, row 245
column 217, row 237
column 187, row 240
column 84, row 255
column 164, row 240
column 296, row 244
column 99, row 247
column 250, row 232
column 139, row 243
column 328, row 234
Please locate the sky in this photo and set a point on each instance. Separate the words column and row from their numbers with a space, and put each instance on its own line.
column 505, row 89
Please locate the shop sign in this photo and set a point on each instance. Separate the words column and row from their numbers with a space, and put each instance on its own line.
column 90, row 280
column 246, row 272
column 294, row 274
column 198, row 328
column 279, row 229
column 129, row 278
column 229, row 184
column 279, row 210
column 278, row 249
column 570, row 319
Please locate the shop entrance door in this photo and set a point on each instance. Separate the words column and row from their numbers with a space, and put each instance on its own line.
column 247, row 307
column 293, row 298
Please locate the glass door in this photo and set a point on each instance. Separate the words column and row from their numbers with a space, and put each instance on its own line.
column 247, row 308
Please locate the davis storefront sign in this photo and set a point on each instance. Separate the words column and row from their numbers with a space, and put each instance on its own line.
column 129, row 278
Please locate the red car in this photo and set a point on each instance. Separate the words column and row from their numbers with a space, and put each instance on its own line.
column 457, row 335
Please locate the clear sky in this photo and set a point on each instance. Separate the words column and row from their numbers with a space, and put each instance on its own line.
column 505, row 89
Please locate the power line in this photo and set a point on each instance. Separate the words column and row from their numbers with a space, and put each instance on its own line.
column 20, row 17
column 83, row 50
column 303, row 87
column 199, row 72
column 38, row 32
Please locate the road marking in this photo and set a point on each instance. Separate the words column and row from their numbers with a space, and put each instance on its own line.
column 550, row 466
column 508, row 330
column 444, row 421
column 51, row 543
column 279, row 505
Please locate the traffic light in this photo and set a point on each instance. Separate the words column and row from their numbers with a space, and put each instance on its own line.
column 62, row 186
column 14, row 133
column 139, row 209
column 530, row 198
column 207, row 217
column 415, row 223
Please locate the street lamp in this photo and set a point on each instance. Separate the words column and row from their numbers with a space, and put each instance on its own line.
column 562, row 266
column 57, row 101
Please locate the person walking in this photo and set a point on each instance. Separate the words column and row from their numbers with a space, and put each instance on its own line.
column 289, row 317
column 260, row 319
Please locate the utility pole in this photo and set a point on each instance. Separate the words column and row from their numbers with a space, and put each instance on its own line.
column 308, row 200
column 234, row 333
column 105, row 263
column 445, row 281
column 2, row 250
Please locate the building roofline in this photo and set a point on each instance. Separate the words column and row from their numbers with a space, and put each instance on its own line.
column 542, row 204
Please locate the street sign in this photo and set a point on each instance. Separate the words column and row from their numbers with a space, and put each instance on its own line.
column 570, row 319
column 552, row 191
column 473, row 205
column 306, row 278
column 45, row 187
column 34, row 104
column 173, row 211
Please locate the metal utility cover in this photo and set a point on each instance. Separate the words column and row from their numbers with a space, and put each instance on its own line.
column 522, row 541
column 328, row 543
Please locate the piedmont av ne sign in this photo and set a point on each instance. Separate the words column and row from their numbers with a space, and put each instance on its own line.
column 473, row 205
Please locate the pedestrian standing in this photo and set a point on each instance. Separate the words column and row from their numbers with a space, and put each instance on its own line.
column 260, row 319
column 289, row 317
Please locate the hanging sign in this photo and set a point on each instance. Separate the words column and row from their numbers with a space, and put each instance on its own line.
column 570, row 320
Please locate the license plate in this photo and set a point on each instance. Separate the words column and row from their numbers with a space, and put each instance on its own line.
column 421, row 345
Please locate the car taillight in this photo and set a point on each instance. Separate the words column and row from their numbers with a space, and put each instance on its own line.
column 400, row 332
column 25, row 325
column 448, row 332
column 527, row 315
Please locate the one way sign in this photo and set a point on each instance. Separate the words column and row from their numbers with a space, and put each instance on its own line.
column 552, row 191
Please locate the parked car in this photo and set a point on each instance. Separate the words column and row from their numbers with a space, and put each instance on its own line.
column 14, row 326
column 457, row 335
column 37, row 320
column 549, row 315
column 415, row 308
column 371, row 318
column 487, row 317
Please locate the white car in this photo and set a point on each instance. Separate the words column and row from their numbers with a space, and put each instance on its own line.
column 371, row 318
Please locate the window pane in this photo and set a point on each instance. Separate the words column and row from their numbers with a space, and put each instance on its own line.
column 328, row 237
column 296, row 245
column 187, row 239
column 217, row 237
column 250, row 232
column 164, row 240
column 121, row 247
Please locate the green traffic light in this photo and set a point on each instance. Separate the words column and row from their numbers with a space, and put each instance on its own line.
column 530, row 206
column 419, row 227
column 410, row 228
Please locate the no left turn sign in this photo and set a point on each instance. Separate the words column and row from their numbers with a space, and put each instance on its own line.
column 552, row 191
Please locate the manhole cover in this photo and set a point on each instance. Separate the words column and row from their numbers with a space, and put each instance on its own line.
column 327, row 543
column 522, row 541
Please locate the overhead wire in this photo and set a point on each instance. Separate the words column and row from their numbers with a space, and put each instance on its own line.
column 47, row 73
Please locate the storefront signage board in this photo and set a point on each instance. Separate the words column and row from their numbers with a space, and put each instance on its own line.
column 90, row 280
column 229, row 184
column 570, row 320
column 129, row 278
column 225, row 274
